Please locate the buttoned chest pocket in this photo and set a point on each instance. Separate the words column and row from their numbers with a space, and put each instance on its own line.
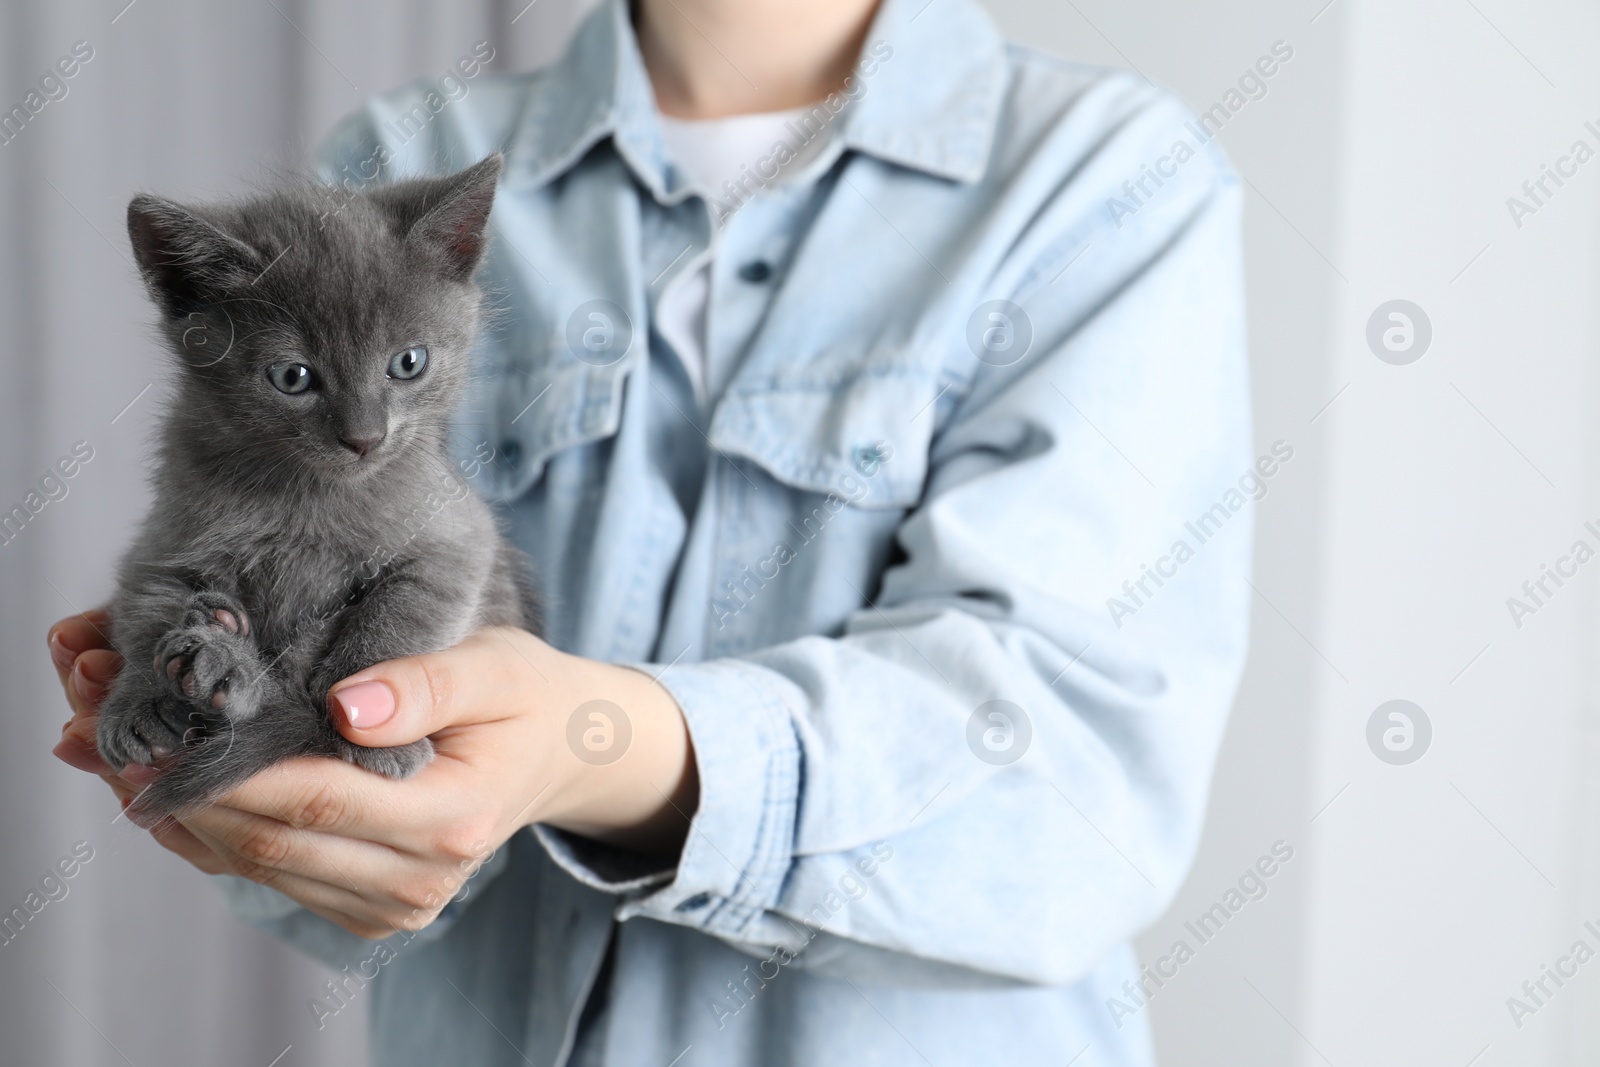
column 798, row 557
column 527, row 431
column 864, row 439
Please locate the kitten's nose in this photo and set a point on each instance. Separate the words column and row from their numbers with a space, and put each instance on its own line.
column 362, row 445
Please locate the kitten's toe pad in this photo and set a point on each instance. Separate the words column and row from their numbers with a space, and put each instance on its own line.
column 401, row 761
column 218, row 610
column 232, row 623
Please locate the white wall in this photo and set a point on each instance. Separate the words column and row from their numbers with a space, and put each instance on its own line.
column 1442, row 886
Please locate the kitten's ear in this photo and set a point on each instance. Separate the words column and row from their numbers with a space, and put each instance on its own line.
column 185, row 260
column 447, row 215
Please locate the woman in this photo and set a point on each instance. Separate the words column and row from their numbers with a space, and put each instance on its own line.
column 852, row 368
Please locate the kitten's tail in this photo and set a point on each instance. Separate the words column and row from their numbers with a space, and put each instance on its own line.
column 230, row 753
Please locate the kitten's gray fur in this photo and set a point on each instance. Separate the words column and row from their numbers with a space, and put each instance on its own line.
column 279, row 558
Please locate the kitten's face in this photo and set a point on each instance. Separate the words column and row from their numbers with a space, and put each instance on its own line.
column 321, row 335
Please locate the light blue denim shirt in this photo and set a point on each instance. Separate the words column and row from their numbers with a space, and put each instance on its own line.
column 947, row 575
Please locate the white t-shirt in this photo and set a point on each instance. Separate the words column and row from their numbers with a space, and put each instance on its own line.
column 723, row 160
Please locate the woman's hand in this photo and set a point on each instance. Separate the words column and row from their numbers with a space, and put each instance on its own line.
column 375, row 855
column 85, row 663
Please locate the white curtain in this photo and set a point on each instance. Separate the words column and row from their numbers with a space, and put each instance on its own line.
column 139, row 962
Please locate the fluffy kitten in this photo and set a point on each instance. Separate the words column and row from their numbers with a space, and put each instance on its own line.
column 308, row 521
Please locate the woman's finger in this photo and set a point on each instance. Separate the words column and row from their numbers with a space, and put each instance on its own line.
column 342, row 862
column 335, row 902
column 77, row 634
column 334, row 797
column 77, row 746
column 85, row 685
column 173, row 835
column 177, row 839
column 91, row 675
column 359, row 927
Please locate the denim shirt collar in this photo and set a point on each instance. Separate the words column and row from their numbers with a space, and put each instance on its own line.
column 932, row 105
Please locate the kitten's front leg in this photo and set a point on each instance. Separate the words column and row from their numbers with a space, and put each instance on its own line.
column 404, row 615
column 190, row 660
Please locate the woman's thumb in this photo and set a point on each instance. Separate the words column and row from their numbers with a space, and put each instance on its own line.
column 396, row 702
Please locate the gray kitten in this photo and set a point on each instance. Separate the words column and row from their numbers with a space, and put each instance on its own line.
column 308, row 521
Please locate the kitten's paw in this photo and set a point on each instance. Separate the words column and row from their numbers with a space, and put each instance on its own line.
column 401, row 761
column 201, row 667
column 209, row 662
column 132, row 729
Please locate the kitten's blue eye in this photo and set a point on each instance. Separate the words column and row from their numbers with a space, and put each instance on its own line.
column 290, row 378
column 408, row 364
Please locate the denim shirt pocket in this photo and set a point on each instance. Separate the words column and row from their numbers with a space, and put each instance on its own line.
column 514, row 423
column 864, row 437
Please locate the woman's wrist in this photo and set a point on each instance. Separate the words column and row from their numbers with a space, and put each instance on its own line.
column 624, row 762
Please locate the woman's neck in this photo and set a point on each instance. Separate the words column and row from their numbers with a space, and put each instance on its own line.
column 712, row 58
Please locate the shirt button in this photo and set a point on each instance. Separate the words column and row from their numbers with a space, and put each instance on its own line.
column 757, row 270
column 511, row 451
column 868, row 459
column 694, row 903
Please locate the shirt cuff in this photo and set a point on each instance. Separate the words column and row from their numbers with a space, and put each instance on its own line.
column 741, row 840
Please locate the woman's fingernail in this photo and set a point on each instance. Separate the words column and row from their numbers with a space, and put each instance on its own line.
column 365, row 706
column 60, row 654
column 87, row 688
column 100, row 669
